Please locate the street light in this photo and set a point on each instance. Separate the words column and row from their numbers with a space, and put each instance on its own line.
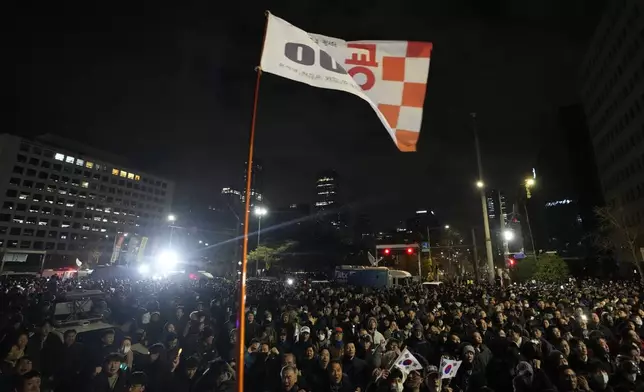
column 529, row 182
column 508, row 235
column 480, row 184
column 171, row 218
column 446, row 227
column 259, row 212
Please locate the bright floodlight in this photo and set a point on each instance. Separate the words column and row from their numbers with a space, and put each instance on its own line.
column 144, row 269
column 261, row 211
column 529, row 182
column 479, row 184
column 171, row 218
column 168, row 260
column 446, row 227
column 508, row 235
column 289, row 281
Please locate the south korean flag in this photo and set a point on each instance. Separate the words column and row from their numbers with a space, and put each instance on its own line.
column 406, row 362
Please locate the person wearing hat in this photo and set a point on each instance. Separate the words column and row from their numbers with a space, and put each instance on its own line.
column 303, row 341
column 158, row 368
column 468, row 378
column 283, row 342
column 184, row 378
column 417, row 342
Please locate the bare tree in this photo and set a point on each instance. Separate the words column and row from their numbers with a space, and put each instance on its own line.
column 615, row 233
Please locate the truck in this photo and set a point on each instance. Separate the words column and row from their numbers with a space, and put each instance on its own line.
column 374, row 277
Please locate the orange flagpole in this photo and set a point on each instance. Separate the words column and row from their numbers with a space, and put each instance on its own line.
column 249, row 173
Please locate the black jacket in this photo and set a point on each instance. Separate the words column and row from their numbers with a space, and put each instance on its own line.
column 100, row 383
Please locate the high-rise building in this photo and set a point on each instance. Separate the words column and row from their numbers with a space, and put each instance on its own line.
column 326, row 189
column 327, row 201
column 67, row 199
column 612, row 92
column 256, row 183
column 235, row 197
column 497, row 211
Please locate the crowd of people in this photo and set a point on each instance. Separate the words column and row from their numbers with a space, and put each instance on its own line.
column 182, row 336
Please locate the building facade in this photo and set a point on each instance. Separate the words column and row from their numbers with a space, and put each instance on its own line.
column 68, row 202
column 612, row 78
column 326, row 189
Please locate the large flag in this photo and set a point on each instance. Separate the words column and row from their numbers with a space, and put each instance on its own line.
column 449, row 367
column 390, row 75
column 406, row 362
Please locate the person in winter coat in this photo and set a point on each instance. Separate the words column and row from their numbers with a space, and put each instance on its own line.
column 111, row 378
column 417, row 343
column 467, row 379
column 376, row 337
column 219, row 377
column 336, row 380
column 529, row 379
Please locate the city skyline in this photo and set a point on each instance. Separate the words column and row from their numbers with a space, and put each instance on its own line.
column 177, row 106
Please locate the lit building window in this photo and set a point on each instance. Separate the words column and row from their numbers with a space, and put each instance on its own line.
column 137, row 178
column 80, row 162
column 115, row 172
column 59, row 156
column 123, row 174
column 130, row 176
column 85, row 184
column 70, row 159
column 89, row 164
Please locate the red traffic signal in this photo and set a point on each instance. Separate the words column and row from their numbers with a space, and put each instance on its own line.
column 410, row 251
column 387, row 251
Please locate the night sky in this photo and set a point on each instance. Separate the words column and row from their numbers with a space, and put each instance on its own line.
column 171, row 88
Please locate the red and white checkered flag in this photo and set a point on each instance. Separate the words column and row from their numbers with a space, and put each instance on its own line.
column 390, row 75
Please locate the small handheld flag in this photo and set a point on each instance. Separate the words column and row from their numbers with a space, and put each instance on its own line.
column 449, row 368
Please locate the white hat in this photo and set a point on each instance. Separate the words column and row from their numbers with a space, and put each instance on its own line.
column 305, row 330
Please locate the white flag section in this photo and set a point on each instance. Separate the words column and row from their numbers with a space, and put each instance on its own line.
column 449, row 367
column 406, row 362
column 390, row 75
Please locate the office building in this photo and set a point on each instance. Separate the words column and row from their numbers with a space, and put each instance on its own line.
column 256, row 183
column 326, row 189
column 67, row 199
column 497, row 211
column 235, row 196
column 612, row 79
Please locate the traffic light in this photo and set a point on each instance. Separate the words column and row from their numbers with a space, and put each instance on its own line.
column 387, row 252
column 511, row 262
column 410, row 251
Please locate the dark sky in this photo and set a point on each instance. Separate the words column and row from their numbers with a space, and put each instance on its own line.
column 171, row 87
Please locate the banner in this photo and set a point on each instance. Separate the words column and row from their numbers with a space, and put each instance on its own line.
column 144, row 242
column 390, row 75
column 117, row 248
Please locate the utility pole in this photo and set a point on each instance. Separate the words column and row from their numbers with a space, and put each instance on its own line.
column 481, row 186
column 476, row 256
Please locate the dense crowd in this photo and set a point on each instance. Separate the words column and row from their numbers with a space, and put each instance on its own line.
column 182, row 336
